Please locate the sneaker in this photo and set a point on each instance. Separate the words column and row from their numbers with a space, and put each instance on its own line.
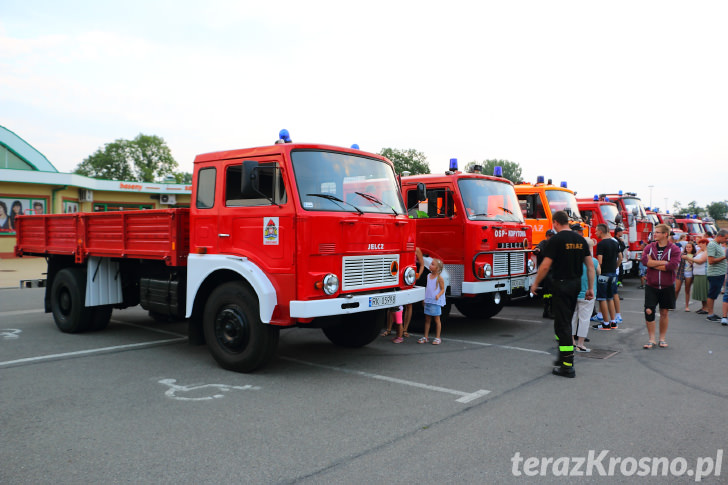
column 564, row 371
column 701, row 312
column 713, row 318
column 596, row 318
column 619, row 319
column 724, row 321
column 613, row 325
column 641, row 287
column 397, row 340
column 601, row 326
column 581, row 349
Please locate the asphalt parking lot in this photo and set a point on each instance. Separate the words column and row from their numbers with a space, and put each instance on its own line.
column 136, row 404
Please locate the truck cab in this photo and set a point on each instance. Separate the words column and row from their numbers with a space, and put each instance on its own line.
column 539, row 201
column 638, row 227
column 473, row 223
column 597, row 211
column 691, row 225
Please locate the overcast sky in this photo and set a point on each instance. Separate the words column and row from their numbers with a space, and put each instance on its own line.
column 605, row 95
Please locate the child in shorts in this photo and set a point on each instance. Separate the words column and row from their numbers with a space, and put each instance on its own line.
column 434, row 301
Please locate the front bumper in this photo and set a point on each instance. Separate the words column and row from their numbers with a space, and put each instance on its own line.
column 507, row 285
column 354, row 303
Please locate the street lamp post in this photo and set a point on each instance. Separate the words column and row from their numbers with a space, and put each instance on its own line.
column 650, row 186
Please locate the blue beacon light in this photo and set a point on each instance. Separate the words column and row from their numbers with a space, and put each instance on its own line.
column 498, row 171
column 540, row 179
column 596, row 197
column 284, row 135
column 620, row 193
column 453, row 164
column 355, row 146
column 563, row 184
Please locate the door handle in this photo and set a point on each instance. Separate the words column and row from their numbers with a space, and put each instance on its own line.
column 224, row 235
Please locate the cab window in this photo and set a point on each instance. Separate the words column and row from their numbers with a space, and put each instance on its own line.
column 206, row 188
column 270, row 186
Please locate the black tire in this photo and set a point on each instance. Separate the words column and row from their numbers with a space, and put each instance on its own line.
column 100, row 317
column 481, row 306
column 236, row 337
column 68, row 298
column 356, row 329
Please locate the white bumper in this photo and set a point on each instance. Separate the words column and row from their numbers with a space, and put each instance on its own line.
column 352, row 304
column 506, row 285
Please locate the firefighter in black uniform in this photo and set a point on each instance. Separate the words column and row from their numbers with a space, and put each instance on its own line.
column 565, row 255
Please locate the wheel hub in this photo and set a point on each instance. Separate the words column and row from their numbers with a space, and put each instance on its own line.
column 232, row 329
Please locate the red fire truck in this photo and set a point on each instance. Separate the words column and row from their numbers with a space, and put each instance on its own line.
column 658, row 217
column 539, row 201
column 691, row 225
column 276, row 236
column 473, row 223
column 638, row 227
column 599, row 211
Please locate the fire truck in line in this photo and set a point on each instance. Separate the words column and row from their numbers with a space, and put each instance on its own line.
column 473, row 223
column 658, row 217
column 690, row 224
column 599, row 211
column 278, row 236
column 638, row 227
column 539, row 201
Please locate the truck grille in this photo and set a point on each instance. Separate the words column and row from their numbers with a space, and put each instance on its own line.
column 500, row 264
column 361, row 272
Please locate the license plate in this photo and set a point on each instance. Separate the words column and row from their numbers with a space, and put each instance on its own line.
column 518, row 283
column 387, row 300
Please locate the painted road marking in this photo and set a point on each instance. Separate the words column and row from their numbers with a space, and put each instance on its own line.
column 508, row 347
column 465, row 397
column 215, row 388
column 19, row 312
column 102, row 350
column 10, row 333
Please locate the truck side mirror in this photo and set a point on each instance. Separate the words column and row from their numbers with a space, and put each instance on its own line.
column 249, row 182
column 618, row 219
column 635, row 211
column 421, row 192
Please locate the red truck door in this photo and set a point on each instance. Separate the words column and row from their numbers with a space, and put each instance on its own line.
column 256, row 218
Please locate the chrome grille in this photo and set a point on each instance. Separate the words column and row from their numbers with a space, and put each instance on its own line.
column 361, row 272
column 500, row 264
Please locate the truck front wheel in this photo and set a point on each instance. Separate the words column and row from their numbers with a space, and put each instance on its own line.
column 235, row 335
column 68, row 298
column 357, row 329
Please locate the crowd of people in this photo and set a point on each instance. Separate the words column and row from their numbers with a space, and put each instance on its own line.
column 571, row 280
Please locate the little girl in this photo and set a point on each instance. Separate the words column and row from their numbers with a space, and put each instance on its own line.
column 434, row 301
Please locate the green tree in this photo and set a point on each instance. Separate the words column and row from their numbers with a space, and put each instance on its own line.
column 511, row 170
column 146, row 158
column 717, row 210
column 409, row 160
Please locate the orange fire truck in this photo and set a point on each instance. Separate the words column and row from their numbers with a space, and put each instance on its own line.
column 277, row 236
column 539, row 201
column 473, row 223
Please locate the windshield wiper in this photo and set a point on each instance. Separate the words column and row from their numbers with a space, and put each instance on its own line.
column 335, row 199
column 373, row 199
column 506, row 210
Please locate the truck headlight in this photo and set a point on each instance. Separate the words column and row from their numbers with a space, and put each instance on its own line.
column 409, row 276
column 487, row 270
column 331, row 284
column 531, row 266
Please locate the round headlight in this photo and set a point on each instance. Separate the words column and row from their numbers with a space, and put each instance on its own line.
column 409, row 276
column 531, row 266
column 488, row 270
column 331, row 284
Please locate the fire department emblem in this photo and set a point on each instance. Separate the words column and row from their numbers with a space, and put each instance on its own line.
column 270, row 231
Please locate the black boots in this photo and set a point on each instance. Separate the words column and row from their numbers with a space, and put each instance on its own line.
column 564, row 371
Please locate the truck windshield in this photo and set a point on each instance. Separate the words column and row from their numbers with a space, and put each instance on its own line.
column 340, row 182
column 560, row 200
column 630, row 203
column 609, row 212
column 489, row 200
column 695, row 228
column 653, row 218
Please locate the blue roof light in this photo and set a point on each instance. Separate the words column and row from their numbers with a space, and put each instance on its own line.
column 620, row 193
column 454, row 164
column 563, row 184
column 355, row 146
column 540, row 179
column 596, row 197
column 284, row 135
column 498, row 171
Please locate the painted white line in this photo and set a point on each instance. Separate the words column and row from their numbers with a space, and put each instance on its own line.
column 508, row 347
column 20, row 312
column 521, row 320
column 465, row 397
column 89, row 352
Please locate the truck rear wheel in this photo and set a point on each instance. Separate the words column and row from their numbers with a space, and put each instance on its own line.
column 481, row 306
column 68, row 298
column 356, row 329
column 237, row 338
